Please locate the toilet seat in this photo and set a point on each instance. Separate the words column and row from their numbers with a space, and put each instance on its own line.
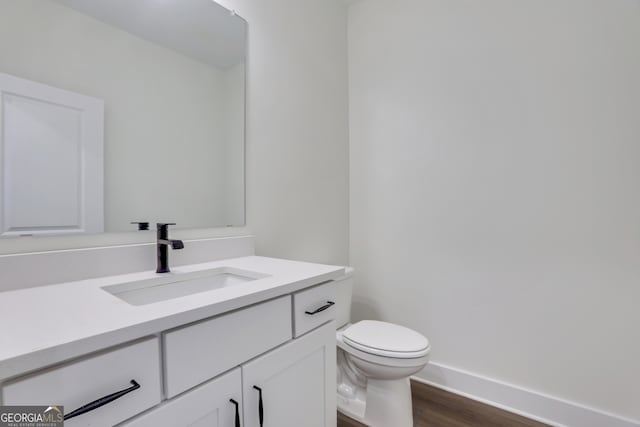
column 386, row 340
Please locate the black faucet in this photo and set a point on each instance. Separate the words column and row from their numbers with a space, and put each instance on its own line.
column 163, row 247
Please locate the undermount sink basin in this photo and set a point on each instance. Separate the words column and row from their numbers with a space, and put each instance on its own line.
column 176, row 285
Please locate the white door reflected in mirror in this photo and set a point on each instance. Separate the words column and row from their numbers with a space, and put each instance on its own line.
column 52, row 163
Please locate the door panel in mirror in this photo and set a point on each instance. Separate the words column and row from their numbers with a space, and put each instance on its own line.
column 52, row 160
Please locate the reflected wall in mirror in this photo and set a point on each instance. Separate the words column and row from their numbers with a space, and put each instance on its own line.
column 170, row 77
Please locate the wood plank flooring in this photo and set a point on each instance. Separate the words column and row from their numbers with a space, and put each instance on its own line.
column 433, row 407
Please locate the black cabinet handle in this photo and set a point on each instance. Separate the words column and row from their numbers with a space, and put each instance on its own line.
column 323, row 308
column 237, row 412
column 260, row 407
column 102, row 401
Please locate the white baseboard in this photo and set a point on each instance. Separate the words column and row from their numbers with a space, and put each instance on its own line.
column 531, row 404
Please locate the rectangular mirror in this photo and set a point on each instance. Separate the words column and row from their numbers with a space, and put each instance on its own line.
column 117, row 111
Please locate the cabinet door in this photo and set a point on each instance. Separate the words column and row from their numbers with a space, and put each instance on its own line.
column 206, row 406
column 296, row 381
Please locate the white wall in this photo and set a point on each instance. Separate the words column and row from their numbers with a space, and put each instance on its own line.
column 154, row 114
column 297, row 141
column 495, row 165
column 297, row 150
column 234, row 128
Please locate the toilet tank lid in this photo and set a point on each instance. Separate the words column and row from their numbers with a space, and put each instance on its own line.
column 348, row 272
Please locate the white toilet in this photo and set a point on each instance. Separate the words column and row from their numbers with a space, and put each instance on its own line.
column 375, row 360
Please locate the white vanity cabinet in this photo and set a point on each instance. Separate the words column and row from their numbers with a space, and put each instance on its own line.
column 267, row 364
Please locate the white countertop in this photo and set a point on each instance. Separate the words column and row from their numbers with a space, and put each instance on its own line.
column 49, row 324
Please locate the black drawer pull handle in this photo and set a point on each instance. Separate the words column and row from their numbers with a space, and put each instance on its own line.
column 102, row 401
column 237, row 412
column 260, row 407
column 323, row 308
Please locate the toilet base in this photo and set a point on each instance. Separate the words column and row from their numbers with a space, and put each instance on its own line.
column 352, row 408
column 384, row 403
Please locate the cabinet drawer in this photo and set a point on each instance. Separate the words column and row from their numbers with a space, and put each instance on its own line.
column 314, row 307
column 198, row 352
column 209, row 405
column 78, row 383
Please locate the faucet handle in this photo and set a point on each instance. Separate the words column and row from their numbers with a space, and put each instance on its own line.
column 141, row 225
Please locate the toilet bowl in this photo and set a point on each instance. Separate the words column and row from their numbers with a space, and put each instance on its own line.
column 374, row 362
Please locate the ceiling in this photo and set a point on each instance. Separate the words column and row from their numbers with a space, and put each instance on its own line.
column 201, row 29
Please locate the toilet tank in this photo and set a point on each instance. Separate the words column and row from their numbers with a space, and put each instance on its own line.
column 343, row 298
